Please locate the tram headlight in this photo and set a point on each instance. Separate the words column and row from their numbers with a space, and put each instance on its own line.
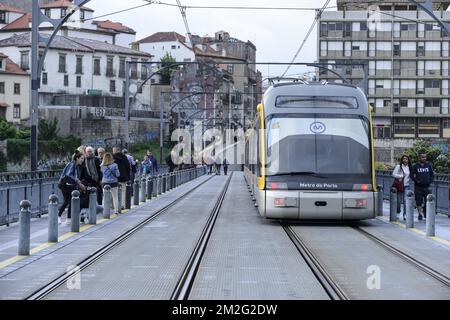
column 355, row 203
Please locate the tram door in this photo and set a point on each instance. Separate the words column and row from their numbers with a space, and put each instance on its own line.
column 261, row 159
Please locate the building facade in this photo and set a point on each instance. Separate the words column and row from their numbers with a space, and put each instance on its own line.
column 407, row 55
column 14, row 91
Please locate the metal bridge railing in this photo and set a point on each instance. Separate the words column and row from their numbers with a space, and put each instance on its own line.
column 440, row 189
column 33, row 186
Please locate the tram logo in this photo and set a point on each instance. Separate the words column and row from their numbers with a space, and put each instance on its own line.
column 317, row 127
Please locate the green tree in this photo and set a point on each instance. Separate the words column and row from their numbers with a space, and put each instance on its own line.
column 439, row 160
column 166, row 72
column 7, row 130
column 48, row 130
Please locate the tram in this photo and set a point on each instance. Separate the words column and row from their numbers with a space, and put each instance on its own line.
column 310, row 153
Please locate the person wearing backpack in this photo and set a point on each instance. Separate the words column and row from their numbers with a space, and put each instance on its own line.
column 111, row 174
column 402, row 181
column 69, row 182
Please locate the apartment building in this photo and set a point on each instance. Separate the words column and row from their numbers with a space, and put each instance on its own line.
column 407, row 55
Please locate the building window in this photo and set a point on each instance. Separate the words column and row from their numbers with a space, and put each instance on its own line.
column 66, row 80
column 397, row 49
column 78, row 82
column 47, row 12
column 44, row 78
column 41, row 53
column 79, row 65
column 63, row 12
column 420, row 49
column 173, row 47
column 429, row 126
column 323, row 29
column 97, row 67
column 62, row 63
column 82, row 15
column 112, row 86
column 122, row 68
column 230, row 68
column 2, row 87
column 133, row 68
column 2, row 17
column 382, row 132
column 432, row 103
column 432, row 84
column 25, row 60
column 16, row 88
column 405, row 126
column 110, row 66
column 144, row 72
column 16, row 111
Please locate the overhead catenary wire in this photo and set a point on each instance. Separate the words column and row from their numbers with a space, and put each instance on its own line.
column 316, row 18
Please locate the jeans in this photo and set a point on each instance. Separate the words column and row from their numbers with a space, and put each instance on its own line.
column 401, row 199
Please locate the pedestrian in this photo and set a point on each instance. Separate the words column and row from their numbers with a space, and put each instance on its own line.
column 100, row 153
column 91, row 174
column 111, row 174
column 212, row 164
column 170, row 162
column 133, row 164
column 218, row 166
column 401, row 174
column 225, row 166
column 146, row 166
column 69, row 182
column 154, row 163
column 423, row 176
column 124, row 168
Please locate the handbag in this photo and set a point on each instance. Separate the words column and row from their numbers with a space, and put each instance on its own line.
column 398, row 183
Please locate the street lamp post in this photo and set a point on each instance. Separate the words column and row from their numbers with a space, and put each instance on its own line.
column 37, row 64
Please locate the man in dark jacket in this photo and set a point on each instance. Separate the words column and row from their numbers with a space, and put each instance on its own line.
column 124, row 168
column 423, row 176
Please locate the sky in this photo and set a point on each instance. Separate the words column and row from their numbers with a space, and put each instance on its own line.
column 277, row 34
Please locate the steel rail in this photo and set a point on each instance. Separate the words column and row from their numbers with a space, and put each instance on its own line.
column 91, row 259
column 399, row 253
column 186, row 281
column 330, row 286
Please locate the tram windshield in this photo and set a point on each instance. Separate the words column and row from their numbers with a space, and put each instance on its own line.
column 321, row 146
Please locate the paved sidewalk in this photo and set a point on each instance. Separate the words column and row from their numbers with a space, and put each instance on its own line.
column 442, row 228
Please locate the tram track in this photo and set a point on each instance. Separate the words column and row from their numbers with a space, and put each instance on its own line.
column 331, row 287
column 404, row 256
column 186, row 281
column 46, row 290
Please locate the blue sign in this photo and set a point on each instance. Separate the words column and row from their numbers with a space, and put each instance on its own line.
column 317, row 127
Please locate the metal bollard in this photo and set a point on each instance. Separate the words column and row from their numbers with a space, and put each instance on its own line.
column 380, row 201
column 119, row 198
column 155, row 186
column 92, row 206
column 136, row 192
column 107, row 202
column 75, row 210
column 24, row 228
column 164, row 183
column 142, row 190
column 128, row 192
column 409, row 209
column 431, row 216
column 393, row 205
column 149, row 188
column 53, row 218
column 158, row 183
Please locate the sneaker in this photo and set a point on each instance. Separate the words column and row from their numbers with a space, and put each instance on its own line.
column 420, row 217
column 404, row 217
column 68, row 222
column 59, row 220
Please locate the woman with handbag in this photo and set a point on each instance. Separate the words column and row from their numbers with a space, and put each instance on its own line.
column 69, row 182
column 402, row 182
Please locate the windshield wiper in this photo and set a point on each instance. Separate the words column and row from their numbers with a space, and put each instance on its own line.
column 295, row 173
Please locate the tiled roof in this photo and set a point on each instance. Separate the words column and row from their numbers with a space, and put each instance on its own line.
column 164, row 37
column 11, row 67
column 5, row 7
column 72, row 44
column 22, row 23
column 116, row 26
column 61, row 4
